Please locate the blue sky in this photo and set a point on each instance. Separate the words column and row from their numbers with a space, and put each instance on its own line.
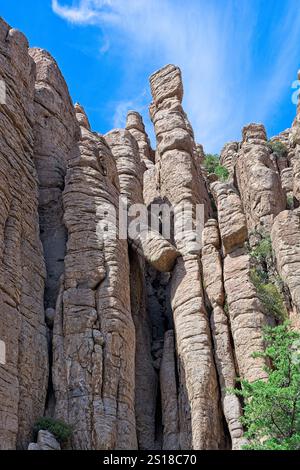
column 239, row 58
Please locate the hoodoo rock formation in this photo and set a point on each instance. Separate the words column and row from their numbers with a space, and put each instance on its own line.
column 133, row 336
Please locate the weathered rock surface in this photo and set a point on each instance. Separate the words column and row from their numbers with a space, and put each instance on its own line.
column 258, row 182
column 247, row 317
column 94, row 339
column 23, row 379
column 246, row 313
column 287, row 181
column 228, row 157
column 45, row 441
column 286, row 244
column 55, row 131
column 130, row 170
column 232, row 220
column 136, row 127
column 224, row 355
column 198, row 415
column 169, row 396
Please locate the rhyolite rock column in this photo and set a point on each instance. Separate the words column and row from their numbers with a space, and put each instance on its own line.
column 94, row 335
column 220, row 326
column 55, row 132
column 24, row 375
column 258, row 181
column 246, row 313
column 286, row 244
column 180, row 182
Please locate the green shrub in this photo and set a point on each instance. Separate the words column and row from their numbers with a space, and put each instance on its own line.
column 211, row 162
column 267, row 286
column 222, row 173
column 263, row 252
column 278, row 148
column 60, row 430
column 212, row 165
column 272, row 406
column 268, row 293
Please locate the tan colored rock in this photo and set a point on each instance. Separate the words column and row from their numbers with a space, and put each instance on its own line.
column 198, row 393
column 166, row 83
column 130, row 170
column 247, row 317
column 224, row 355
column 136, row 127
column 228, row 157
column 281, row 159
column 258, row 182
column 287, row 181
column 55, row 132
column 211, row 234
column 151, row 185
column 24, row 376
column 286, row 244
column 94, row 339
column 180, row 181
column 149, row 243
column 232, row 221
column 45, row 441
column 200, row 153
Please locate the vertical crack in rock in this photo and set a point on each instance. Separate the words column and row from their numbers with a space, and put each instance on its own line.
column 23, row 378
column 130, row 170
column 136, row 127
column 180, row 182
column 213, row 280
column 169, row 396
column 94, row 340
column 286, row 245
column 55, row 132
column 258, row 182
column 228, row 157
column 246, row 313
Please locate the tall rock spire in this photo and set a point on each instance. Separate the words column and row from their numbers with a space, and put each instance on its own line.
column 179, row 182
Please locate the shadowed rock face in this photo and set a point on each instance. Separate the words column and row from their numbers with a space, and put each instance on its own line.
column 55, row 131
column 94, row 338
column 134, row 341
column 23, row 378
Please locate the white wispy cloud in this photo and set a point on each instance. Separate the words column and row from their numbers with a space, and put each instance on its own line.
column 213, row 42
column 105, row 46
column 121, row 108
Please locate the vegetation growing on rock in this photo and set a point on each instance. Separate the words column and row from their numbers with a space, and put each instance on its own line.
column 272, row 407
column 278, row 148
column 212, row 165
column 60, row 430
column 265, row 278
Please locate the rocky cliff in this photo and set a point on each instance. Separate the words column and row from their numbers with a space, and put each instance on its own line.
column 133, row 336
